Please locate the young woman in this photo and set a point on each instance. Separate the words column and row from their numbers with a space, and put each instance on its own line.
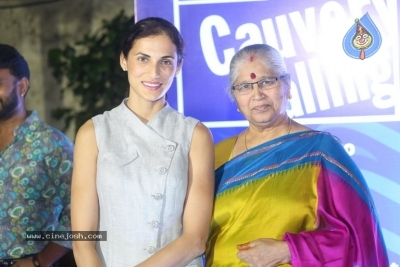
column 144, row 172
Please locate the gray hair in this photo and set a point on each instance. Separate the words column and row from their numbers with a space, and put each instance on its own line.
column 271, row 58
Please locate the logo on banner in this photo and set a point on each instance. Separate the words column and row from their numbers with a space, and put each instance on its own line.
column 363, row 39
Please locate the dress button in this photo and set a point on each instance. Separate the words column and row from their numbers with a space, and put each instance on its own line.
column 151, row 250
column 170, row 148
column 157, row 196
column 154, row 224
column 162, row 170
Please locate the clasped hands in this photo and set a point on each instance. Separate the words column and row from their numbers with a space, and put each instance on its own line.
column 264, row 252
column 24, row 263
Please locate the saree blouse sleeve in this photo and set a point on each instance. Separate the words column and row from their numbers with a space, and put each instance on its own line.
column 347, row 231
column 223, row 151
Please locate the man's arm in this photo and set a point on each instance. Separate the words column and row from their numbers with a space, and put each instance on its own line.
column 50, row 254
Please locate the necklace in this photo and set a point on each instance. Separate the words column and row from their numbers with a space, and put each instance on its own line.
column 245, row 133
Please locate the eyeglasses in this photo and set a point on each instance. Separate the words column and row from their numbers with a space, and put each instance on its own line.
column 264, row 84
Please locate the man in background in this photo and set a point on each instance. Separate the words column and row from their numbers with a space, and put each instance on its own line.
column 35, row 173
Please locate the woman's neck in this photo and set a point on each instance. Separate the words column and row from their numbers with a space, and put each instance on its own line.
column 145, row 110
column 255, row 135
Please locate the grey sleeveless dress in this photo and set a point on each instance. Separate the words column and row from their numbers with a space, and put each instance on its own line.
column 142, row 173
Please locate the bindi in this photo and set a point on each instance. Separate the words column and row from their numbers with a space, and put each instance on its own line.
column 252, row 75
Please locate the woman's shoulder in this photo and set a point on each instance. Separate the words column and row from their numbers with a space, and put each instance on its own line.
column 328, row 137
column 202, row 133
column 322, row 141
column 86, row 131
column 223, row 150
column 305, row 131
column 86, row 137
column 226, row 143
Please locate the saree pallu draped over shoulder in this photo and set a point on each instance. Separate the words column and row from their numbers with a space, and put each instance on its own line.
column 302, row 188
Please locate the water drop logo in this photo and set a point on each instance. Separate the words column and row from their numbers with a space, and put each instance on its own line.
column 363, row 39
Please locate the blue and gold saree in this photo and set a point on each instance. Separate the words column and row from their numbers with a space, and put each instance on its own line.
column 302, row 188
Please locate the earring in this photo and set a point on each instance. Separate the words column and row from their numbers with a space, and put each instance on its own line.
column 238, row 110
column 289, row 105
column 124, row 69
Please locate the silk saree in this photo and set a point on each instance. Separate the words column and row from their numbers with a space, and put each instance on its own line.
column 302, row 188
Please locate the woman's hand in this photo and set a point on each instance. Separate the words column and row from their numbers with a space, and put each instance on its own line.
column 264, row 252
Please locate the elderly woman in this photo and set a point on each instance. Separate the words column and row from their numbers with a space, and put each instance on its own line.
column 286, row 194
